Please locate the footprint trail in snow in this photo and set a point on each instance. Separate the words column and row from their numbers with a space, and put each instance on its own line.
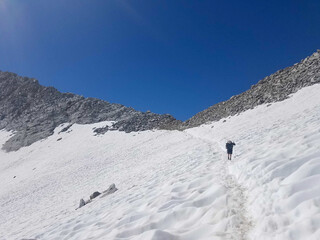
column 240, row 223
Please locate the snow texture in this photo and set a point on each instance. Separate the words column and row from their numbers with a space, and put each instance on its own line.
column 172, row 185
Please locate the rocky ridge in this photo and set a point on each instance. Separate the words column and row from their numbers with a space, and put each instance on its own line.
column 276, row 87
column 33, row 111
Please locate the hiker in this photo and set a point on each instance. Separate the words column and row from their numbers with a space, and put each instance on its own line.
column 229, row 147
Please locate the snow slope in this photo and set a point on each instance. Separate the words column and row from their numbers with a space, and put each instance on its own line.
column 172, row 185
column 278, row 162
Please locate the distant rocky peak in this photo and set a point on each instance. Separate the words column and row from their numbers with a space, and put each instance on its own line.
column 273, row 88
column 34, row 111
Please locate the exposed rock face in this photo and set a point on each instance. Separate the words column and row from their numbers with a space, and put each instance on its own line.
column 34, row 111
column 273, row 88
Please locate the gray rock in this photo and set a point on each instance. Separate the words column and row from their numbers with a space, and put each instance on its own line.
column 274, row 88
column 66, row 128
column 34, row 111
column 112, row 188
column 82, row 203
column 101, row 130
column 94, row 195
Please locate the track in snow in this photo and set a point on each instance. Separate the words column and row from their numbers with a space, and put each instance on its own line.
column 236, row 200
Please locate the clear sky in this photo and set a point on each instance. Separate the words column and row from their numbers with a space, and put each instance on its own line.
column 167, row 56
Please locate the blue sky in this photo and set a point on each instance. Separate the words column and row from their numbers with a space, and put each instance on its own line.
column 167, row 56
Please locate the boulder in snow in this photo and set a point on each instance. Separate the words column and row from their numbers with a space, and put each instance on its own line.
column 94, row 195
column 112, row 188
column 82, row 203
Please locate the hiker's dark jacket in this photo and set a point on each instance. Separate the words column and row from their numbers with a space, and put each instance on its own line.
column 229, row 147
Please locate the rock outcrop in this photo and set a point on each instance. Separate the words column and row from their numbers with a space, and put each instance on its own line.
column 111, row 189
column 94, row 195
column 273, row 88
column 34, row 111
column 82, row 203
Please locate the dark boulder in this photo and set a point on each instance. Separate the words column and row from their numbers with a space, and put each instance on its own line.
column 94, row 195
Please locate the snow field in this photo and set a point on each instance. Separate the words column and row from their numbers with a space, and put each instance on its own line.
column 172, row 185
column 167, row 188
column 278, row 162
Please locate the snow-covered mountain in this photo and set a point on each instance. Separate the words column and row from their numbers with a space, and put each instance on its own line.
column 34, row 111
column 172, row 184
column 273, row 88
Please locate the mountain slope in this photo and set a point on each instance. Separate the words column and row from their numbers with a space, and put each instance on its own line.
column 273, row 88
column 172, row 184
column 34, row 111
column 277, row 162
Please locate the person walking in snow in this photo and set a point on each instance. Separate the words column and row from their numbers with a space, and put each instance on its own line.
column 229, row 147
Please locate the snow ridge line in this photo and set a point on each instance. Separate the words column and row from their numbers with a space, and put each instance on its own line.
column 236, row 201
